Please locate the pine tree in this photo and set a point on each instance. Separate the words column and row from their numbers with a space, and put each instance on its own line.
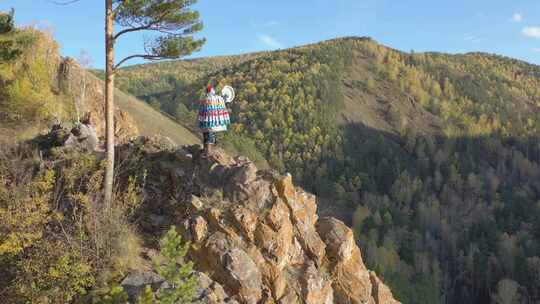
column 182, row 284
column 147, row 297
column 8, row 51
column 174, row 23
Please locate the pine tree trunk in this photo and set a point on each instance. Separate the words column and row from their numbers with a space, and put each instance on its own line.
column 109, row 102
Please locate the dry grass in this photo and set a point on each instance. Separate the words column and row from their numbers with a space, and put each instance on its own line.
column 151, row 122
column 20, row 132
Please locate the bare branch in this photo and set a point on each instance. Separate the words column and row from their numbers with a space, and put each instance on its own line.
column 133, row 29
column 147, row 57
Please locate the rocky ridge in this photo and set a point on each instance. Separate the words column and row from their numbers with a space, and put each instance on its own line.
column 256, row 237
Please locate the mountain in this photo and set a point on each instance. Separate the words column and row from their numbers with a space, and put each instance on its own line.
column 432, row 158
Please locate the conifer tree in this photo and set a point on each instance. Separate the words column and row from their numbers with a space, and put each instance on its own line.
column 8, row 51
column 182, row 284
column 173, row 22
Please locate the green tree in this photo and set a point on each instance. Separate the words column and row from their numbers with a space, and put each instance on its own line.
column 182, row 284
column 174, row 23
column 8, row 51
column 147, row 297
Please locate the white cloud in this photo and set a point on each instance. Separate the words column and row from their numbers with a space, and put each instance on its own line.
column 517, row 17
column 531, row 31
column 536, row 50
column 270, row 41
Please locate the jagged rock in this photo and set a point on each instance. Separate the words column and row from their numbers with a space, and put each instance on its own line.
column 351, row 278
column 82, row 136
column 316, row 289
column 304, row 215
column 261, row 238
column 381, row 293
column 195, row 204
column 210, row 292
column 275, row 245
column 194, row 229
column 199, row 228
column 88, row 134
column 339, row 239
column 246, row 221
column 234, row 268
column 136, row 281
column 245, row 174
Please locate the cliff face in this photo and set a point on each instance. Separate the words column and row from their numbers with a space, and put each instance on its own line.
column 256, row 236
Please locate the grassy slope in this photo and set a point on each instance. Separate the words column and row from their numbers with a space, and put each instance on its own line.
column 151, row 122
column 379, row 106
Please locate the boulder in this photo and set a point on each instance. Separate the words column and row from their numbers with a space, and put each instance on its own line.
column 199, row 228
column 195, row 204
column 234, row 268
column 381, row 293
column 88, row 135
column 210, row 292
column 246, row 220
column 339, row 239
column 137, row 280
column 351, row 278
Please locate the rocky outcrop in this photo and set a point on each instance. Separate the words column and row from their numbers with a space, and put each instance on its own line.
column 81, row 136
column 88, row 95
column 258, row 236
column 208, row 291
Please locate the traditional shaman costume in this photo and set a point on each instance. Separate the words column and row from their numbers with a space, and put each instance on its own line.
column 213, row 117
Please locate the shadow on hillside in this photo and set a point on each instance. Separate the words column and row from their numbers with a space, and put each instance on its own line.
column 446, row 198
column 357, row 137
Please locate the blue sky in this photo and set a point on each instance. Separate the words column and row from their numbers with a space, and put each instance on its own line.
column 506, row 27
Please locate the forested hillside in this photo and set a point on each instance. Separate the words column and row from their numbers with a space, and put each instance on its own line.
column 433, row 158
column 27, row 92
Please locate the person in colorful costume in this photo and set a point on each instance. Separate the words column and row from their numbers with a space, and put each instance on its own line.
column 213, row 117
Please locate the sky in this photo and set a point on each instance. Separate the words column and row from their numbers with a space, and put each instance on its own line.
column 505, row 27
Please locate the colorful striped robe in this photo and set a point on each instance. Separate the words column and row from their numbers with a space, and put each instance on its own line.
column 213, row 115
